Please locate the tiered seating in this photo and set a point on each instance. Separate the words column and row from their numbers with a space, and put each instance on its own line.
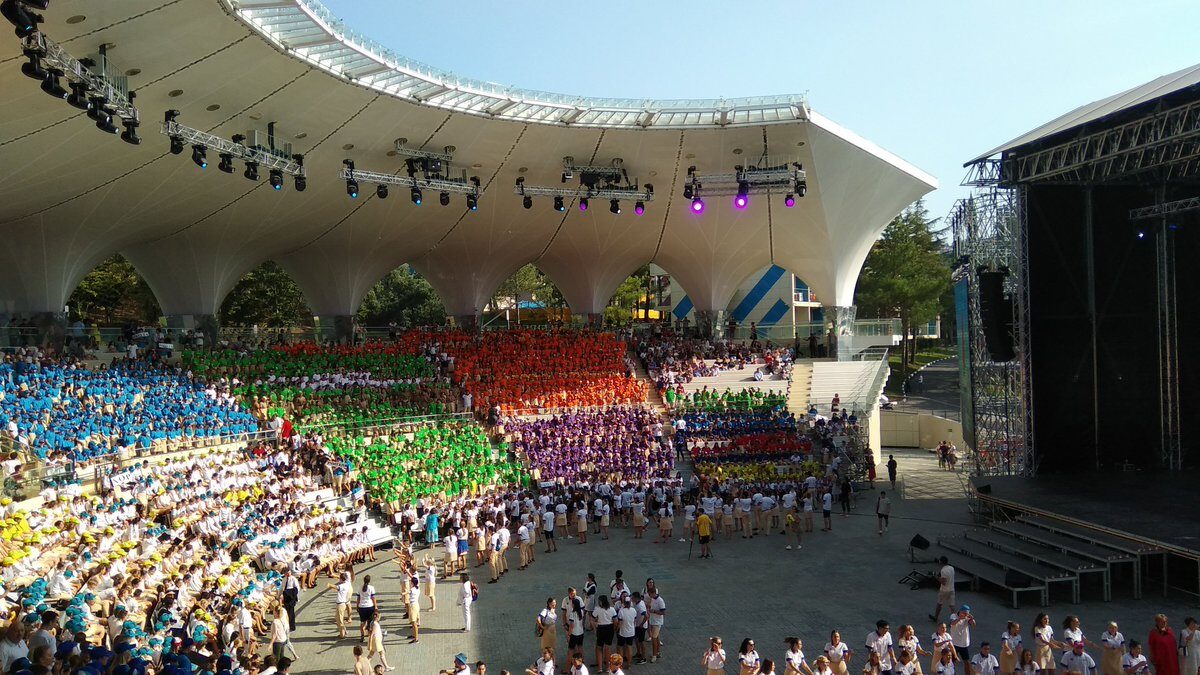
column 535, row 371
column 60, row 409
column 444, row 458
column 613, row 443
column 851, row 381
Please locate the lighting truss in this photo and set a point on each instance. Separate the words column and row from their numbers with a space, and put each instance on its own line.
column 403, row 149
column 292, row 165
column 467, row 186
column 644, row 193
column 118, row 101
column 1167, row 209
column 789, row 178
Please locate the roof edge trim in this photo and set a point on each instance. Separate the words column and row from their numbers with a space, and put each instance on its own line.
column 308, row 31
column 872, row 149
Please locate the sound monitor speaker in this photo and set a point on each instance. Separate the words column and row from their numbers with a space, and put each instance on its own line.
column 996, row 314
column 919, row 542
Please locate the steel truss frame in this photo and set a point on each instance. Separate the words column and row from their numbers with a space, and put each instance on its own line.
column 464, row 187
column 293, row 166
column 1168, row 140
column 768, row 180
column 989, row 230
column 116, row 99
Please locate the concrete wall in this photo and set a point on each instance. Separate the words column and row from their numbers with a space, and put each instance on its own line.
column 917, row 430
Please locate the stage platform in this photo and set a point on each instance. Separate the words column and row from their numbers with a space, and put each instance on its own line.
column 1150, row 508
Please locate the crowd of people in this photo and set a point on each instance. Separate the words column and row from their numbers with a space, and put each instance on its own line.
column 55, row 408
column 618, row 443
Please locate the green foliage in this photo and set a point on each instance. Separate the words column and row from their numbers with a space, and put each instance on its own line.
column 528, row 283
column 402, row 296
column 113, row 294
column 266, row 296
column 629, row 295
column 906, row 273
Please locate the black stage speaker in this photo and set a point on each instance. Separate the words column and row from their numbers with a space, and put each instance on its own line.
column 919, row 542
column 996, row 313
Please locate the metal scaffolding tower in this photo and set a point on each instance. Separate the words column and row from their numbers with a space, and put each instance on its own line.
column 989, row 231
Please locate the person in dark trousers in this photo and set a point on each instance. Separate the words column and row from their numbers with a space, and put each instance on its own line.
column 891, row 467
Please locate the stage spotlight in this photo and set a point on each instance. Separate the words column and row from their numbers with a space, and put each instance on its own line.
column 790, row 200
column 583, row 204
column 472, row 202
column 527, row 202
column 78, row 97
column 687, row 191
column 39, row 5
column 1141, row 234
column 639, row 208
column 352, row 188
column 276, row 178
column 226, row 163
column 33, row 69
column 801, row 188
column 559, row 205
column 176, row 145
column 198, row 152
column 24, row 22
column 415, row 195
column 130, row 134
column 105, row 123
column 381, row 191
column 251, row 172
column 301, row 183
column 697, row 205
column 444, row 199
column 743, row 195
column 96, row 107
column 614, row 206
column 52, row 86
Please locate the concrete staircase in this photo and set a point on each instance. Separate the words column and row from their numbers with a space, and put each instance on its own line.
column 378, row 533
column 654, row 399
column 800, row 389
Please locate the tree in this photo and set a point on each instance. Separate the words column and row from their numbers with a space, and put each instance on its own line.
column 630, row 295
column 268, row 297
column 114, row 293
column 402, row 296
column 905, row 275
column 528, row 283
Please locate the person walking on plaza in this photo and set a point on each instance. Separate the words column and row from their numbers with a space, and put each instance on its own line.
column 431, row 583
column 1189, row 641
column 1044, row 643
column 1164, row 650
column 891, row 467
column 375, row 642
column 367, row 604
column 827, row 510
column 602, row 619
column 466, row 598
column 883, row 512
column 345, row 590
column 548, row 530
column 945, row 590
column 414, row 607
column 547, row 626
column 362, row 665
column 657, row 608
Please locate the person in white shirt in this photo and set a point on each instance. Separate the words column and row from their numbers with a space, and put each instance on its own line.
column 345, row 589
column 1077, row 661
column 945, row 665
column 431, row 583
column 827, row 510
column 794, row 661
column 1112, row 653
column 985, row 662
column 577, row 665
column 627, row 617
column 548, row 531
column 713, row 660
column 1135, row 662
column 960, row 633
column 880, row 642
column 466, row 597
column 945, row 589
column 657, row 609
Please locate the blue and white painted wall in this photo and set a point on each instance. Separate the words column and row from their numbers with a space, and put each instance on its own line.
column 770, row 297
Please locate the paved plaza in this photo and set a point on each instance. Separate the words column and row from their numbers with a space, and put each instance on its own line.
column 846, row 579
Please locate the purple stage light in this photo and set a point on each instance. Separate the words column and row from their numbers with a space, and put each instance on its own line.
column 697, row 205
column 583, row 204
column 639, row 208
column 741, row 201
column 789, row 201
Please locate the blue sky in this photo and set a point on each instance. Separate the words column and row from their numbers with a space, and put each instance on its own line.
column 934, row 82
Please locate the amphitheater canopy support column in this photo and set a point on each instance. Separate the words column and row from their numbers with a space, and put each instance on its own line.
column 840, row 331
column 711, row 322
column 335, row 329
column 467, row 321
column 205, row 324
column 595, row 319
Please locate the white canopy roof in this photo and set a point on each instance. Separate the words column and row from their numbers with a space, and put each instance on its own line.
column 71, row 195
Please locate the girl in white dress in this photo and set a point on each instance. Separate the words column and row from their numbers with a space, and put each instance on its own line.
column 1189, row 638
column 838, row 653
